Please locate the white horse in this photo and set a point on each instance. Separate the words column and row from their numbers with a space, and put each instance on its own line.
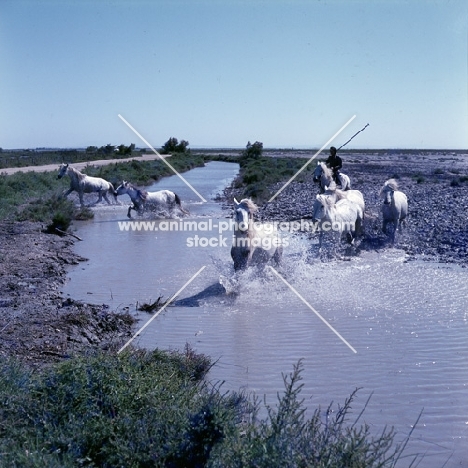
column 83, row 183
column 162, row 200
column 253, row 243
column 336, row 218
column 355, row 196
column 394, row 208
column 324, row 176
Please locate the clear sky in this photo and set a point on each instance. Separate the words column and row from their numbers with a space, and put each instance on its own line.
column 221, row 73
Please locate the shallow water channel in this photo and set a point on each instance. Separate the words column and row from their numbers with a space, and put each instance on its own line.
column 407, row 321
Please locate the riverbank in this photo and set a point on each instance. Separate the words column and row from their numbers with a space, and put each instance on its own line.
column 37, row 325
column 33, row 269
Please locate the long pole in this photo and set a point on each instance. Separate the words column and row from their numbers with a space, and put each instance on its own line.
column 362, row 129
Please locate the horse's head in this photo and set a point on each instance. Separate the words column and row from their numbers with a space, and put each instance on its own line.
column 243, row 213
column 323, row 174
column 62, row 170
column 121, row 189
column 330, row 189
column 388, row 190
column 321, row 204
column 318, row 173
column 387, row 195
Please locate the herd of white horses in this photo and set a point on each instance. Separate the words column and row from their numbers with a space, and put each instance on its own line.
column 337, row 211
column 162, row 200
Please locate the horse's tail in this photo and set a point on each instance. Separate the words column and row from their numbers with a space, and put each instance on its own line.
column 179, row 204
column 114, row 192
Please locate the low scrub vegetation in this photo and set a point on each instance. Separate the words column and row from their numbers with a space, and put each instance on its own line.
column 28, row 157
column 142, row 409
column 37, row 196
column 259, row 173
column 145, row 172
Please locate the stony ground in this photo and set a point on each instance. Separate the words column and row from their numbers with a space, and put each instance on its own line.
column 437, row 188
column 36, row 324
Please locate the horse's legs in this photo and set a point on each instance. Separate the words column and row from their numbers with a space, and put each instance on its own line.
column 65, row 195
column 104, row 194
column 384, row 226
column 401, row 224
column 240, row 262
column 80, row 196
column 99, row 200
column 358, row 227
column 350, row 238
column 129, row 210
column 277, row 255
column 320, row 241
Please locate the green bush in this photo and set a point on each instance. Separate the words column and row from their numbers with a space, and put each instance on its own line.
column 253, row 151
column 46, row 209
column 152, row 408
column 258, row 174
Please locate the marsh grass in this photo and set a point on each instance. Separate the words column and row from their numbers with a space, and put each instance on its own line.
column 142, row 409
column 145, row 172
column 27, row 157
column 36, row 196
column 258, row 175
column 458, row 181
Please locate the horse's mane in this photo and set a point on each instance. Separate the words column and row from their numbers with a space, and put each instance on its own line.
column 76, row 172
column 391, row 184
column 143, row 194
column 326, row 170
column 251, row 206
column 340, row 194
column 325, row 200
column 330, row 189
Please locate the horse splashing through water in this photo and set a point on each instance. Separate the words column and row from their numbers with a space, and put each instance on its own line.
column 354, row 196
column 83, row 183
column 394, row 207
column 162, row 200
column 324, row 176
column 335, row 218
column 253, row 243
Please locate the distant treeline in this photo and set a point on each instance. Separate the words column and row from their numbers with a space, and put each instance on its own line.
column 42, row 156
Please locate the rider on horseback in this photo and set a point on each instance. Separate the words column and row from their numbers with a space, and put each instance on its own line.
column 335, row 163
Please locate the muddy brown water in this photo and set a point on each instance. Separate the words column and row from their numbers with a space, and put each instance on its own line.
column 408, row 321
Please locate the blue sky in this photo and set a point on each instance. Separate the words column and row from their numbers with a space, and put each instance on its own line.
column 221, row 73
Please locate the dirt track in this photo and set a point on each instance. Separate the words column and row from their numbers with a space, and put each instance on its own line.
column 81, row 165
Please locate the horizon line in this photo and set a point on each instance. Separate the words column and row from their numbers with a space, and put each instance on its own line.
column 240, row 148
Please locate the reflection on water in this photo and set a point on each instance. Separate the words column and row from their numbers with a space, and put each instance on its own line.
column 407, row 321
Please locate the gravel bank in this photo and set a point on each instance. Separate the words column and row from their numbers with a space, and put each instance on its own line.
column 36, row 324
